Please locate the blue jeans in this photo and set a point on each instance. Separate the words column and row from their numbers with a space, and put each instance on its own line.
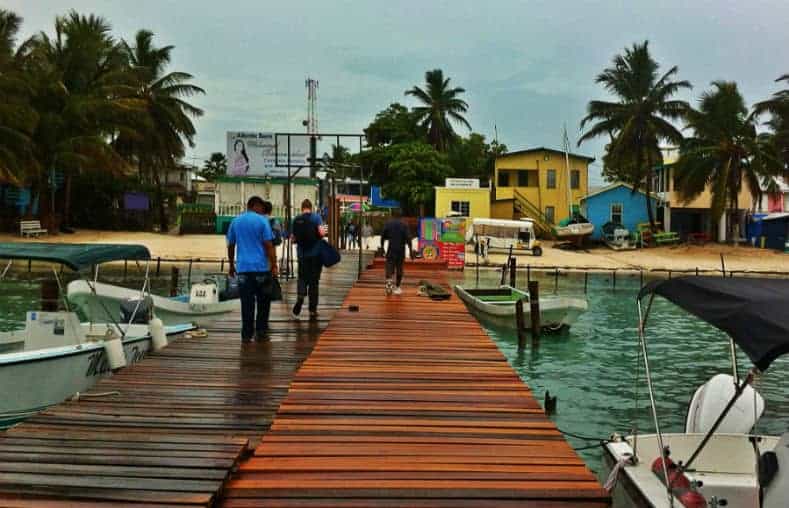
column 251, row 290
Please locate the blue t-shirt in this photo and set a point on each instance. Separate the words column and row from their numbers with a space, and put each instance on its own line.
column 312, row 251
column 247, row 232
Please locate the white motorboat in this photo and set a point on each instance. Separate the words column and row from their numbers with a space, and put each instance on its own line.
column 718, row 461
column 201, row 306
column 497, row 306
column 55, row 356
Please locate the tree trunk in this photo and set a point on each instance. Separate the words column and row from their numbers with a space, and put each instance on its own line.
column 67, row 199
column 160, row 202
column 648, row 187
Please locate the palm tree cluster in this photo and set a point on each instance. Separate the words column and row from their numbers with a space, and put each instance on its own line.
column 80, row 100
column 727, row 146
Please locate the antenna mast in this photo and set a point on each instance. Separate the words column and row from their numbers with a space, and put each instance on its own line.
column 312, row 105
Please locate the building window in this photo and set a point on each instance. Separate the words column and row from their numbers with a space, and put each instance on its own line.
column 461, row 207
column 575, row 179
column 550, row 213
column 528, row 178
column 503, row 179
column 551, row 179
column 617, row 211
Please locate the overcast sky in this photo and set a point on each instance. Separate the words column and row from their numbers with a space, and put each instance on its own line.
column 527, row 66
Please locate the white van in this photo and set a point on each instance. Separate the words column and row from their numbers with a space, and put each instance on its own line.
column 502, row 234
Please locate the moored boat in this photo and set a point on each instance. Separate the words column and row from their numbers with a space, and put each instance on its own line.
column 55, row 355
column 201, row 306
column 718, row 460
column 497, row 305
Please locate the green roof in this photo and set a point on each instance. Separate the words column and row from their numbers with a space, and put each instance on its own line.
column 76, row 256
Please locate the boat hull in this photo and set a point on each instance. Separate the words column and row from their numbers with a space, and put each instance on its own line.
column 555, row 313
column 34, row 380
column 725, row 469
column 108, row 299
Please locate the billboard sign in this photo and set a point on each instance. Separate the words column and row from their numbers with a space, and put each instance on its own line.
column 252, row 154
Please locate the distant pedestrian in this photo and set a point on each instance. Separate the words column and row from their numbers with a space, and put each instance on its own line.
column 352, row 235
column 307, row 235
column 396, row 237
column 276, row 225
column 249, row 241
column 367, row 233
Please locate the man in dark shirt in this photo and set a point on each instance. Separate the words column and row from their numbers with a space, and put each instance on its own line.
column 396, row 235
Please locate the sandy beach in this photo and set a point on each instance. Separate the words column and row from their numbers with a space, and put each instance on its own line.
column 681, row 257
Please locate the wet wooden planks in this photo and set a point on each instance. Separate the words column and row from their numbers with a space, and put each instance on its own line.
column 407, row 402
column 178, row 425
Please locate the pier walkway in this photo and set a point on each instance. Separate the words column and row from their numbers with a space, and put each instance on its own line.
column 168, row 430
column 407, row 402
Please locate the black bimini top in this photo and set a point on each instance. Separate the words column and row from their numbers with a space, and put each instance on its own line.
column 76, row 256
column 753, row 311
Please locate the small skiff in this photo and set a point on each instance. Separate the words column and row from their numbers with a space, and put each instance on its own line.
column 498, row 307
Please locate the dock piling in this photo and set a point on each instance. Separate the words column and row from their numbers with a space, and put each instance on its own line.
column 174, row 281
column 513, row 272
column 520, row 325
column 534, row 308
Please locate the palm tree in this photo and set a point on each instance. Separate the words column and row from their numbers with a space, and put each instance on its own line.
column 17, row 118
column 82, row 98
column 778, row 108
column 440, row 107
column 641, row 118
column 725, row 151
column 214, row 167
column 167, row 115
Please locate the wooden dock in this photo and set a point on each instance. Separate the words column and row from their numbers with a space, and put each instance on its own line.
column 170, row 429
column 407, row 402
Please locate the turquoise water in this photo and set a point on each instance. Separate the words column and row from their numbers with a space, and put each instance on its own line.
column 591, row 368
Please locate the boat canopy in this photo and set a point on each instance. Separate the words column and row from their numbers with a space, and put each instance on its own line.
column 76, row 256
column 750, row 310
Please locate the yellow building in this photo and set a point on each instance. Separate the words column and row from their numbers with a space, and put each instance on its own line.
column 539, row 184
column 462, row 197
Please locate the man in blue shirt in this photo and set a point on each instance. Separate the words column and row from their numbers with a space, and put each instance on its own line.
column 307, row 235
column 249, row 241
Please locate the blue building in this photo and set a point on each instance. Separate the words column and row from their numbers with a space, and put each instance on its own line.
column 615, row 203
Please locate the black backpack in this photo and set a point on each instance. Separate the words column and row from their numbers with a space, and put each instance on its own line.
column 305, row 231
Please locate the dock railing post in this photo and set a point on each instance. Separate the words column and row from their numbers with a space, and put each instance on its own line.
column 534, row 308
column 520, row 325
column 513, row 272
column 174, row 281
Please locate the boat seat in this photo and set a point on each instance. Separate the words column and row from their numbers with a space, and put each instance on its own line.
column 144, row 311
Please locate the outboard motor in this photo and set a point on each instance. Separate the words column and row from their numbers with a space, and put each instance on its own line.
column 144, row 309
column 712, row 397
column 206, row 292
column 775, row 478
